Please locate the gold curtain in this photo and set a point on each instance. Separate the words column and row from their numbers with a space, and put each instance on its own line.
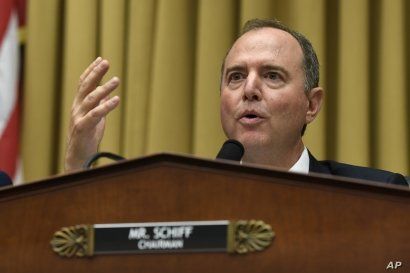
column 168, row 54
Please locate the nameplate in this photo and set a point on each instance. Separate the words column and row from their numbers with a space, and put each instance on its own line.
column 162, row 237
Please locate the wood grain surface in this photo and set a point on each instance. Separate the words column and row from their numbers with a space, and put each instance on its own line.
column 322, row 223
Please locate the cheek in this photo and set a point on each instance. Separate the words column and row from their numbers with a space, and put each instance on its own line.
column 226, row 112
column 279, row 105
column 287, row 108
column 224, row 105
column 223, row 108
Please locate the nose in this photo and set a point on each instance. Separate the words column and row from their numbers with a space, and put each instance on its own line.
column 252, row 89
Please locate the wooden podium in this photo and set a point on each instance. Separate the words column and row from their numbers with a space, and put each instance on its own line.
column 321, row 223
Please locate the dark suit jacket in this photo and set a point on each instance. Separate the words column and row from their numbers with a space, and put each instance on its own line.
column 346, row 170
column 4, row 179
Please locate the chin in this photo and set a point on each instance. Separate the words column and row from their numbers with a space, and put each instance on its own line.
column 251, row 142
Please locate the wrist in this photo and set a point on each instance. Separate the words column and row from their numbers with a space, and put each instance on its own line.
column 71, row 164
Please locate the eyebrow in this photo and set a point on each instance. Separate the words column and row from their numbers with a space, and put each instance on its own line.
column 275, row 67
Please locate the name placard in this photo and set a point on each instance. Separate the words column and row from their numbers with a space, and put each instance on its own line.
column 161, row 237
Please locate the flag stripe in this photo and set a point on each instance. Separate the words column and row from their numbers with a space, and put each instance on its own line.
column 9, row 144
column 9, row 89
column 5, row 12
column 9, row 72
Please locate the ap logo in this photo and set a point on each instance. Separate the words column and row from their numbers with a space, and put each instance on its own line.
column 393, row 265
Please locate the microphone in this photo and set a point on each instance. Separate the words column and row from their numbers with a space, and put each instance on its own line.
column 96, row 156
column 231, row 150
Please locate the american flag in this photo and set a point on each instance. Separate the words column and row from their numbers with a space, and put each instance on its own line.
column 12, row 21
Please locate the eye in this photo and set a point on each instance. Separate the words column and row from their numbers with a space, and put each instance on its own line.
column 235, row 76
column 272, row 76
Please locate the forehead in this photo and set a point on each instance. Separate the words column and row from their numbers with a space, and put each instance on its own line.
column 266, row 45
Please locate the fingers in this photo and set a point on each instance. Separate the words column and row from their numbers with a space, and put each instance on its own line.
column 94, row 98
column 91, row 104
column 94, row 116
column 89, row 68
column 91, row 77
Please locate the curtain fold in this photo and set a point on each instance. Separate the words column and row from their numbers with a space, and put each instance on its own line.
column 111, row 45
column 137, row 82
column 168, row 55
column 213, row 17
column 42, row 80
column 353, row 140
column 392, row 141
column 170, row 105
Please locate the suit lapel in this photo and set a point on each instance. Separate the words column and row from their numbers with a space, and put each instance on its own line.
column 316, row 167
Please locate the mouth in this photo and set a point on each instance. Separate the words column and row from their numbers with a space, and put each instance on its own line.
column 250, row 118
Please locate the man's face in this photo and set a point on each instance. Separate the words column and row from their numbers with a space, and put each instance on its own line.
column 263, row 102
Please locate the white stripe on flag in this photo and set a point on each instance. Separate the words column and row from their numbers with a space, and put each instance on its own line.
column 9, row 71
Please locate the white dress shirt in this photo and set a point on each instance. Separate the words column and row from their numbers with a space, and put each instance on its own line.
column 302, row 165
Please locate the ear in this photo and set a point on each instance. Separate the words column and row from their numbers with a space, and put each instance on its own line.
column 315, row 98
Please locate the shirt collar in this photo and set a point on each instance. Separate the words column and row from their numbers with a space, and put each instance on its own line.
column 302, row 165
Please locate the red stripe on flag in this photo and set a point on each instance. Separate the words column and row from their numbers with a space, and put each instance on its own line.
column 6, row 7
column 21, row 12
column 9, row 145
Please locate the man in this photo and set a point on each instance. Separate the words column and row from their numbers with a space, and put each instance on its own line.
column 269, row 93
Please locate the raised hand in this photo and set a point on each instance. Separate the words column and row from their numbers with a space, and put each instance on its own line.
column 91, row 105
